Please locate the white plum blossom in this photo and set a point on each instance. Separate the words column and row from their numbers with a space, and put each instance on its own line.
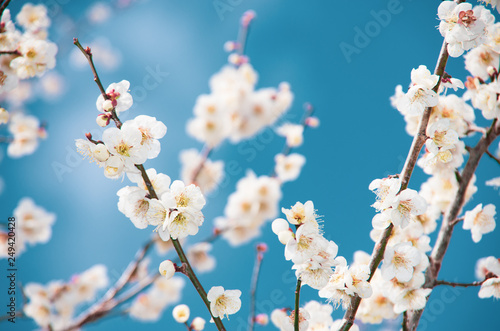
column 293, row 134
column 33, row 224
column 399, row 262
column 490, row 288
column 224, row 302
column 151, row 131
column 119, row 96
column 386, row 190
column 301, row 213
column 406, row 204
column 487, row 265
column 36, row 57
column 234, row 109
column 320, row 316
column 356, row 280
column 134, row 203
column 33, row 17
column 480, row 221
column 411, row 299
column 479, row 59
column 210, row 174
column 148, row 306
column 26, row 131
column 420, row 94
column 198, row 255
column 462, row 26
column 126, row 143
column 441, row 140
column 181, row 313
column 288, row 167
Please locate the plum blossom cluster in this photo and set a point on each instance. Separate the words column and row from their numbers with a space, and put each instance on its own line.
column 33, row 226
column 26, row 131
column 208, row 173
column 488, row 271
column 121, row 149
column 462, row 26
column 54, row 305
column 234, row 109
column 255, row 201
column 315, row 258
column 149, row 305
column 313, row 316
column 29, row 53
column 23, row 54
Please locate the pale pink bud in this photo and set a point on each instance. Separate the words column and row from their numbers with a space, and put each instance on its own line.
column 262, row 319
column 102, row 120
column 312, row 122
column 107, row 105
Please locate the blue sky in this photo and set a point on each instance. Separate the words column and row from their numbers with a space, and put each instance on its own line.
column 317, row 48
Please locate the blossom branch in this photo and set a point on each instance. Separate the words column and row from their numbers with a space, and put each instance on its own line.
column 108, row 302
column 253, row 288
column 88, row 55
column 449, row 220
column 443, row 282
column 15, row 52
column 297, row 299
column 411, row 160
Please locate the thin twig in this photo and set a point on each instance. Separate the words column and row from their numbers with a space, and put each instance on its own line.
column 411, row 160
column 253, row 288
column 297, row 299
column 443, row 282
column 404, row 324
column 492, row 156
column 88, row 55
column 15, row 52
column 4, row 5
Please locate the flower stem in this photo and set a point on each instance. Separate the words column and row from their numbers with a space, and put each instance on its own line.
column 443, row 282
column 297, row 299
column 411, row 160
column 253, row 289
column 192, row 276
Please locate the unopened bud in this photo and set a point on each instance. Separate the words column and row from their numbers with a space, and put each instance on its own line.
column 262, row 247
column 262, row 319
column 107, row 105
column 312, row 122
column 285, row 236
column 198, row 324
column 167, row 269
column 101, row 153
column 279, row 225
column 181, row 313
column 102, row 120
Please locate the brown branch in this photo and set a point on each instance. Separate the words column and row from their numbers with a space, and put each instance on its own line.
column 449, row 220
column 108, row 302
column 297, row 311
column 4, row 5
column 443, row 282
column 411, row 160
column 492, row 156
column 88, row 55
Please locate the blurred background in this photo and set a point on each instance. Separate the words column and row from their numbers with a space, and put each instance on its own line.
column 361, row 137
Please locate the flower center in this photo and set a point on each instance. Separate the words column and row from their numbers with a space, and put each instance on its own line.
column 466, row 18
column 123, row 149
